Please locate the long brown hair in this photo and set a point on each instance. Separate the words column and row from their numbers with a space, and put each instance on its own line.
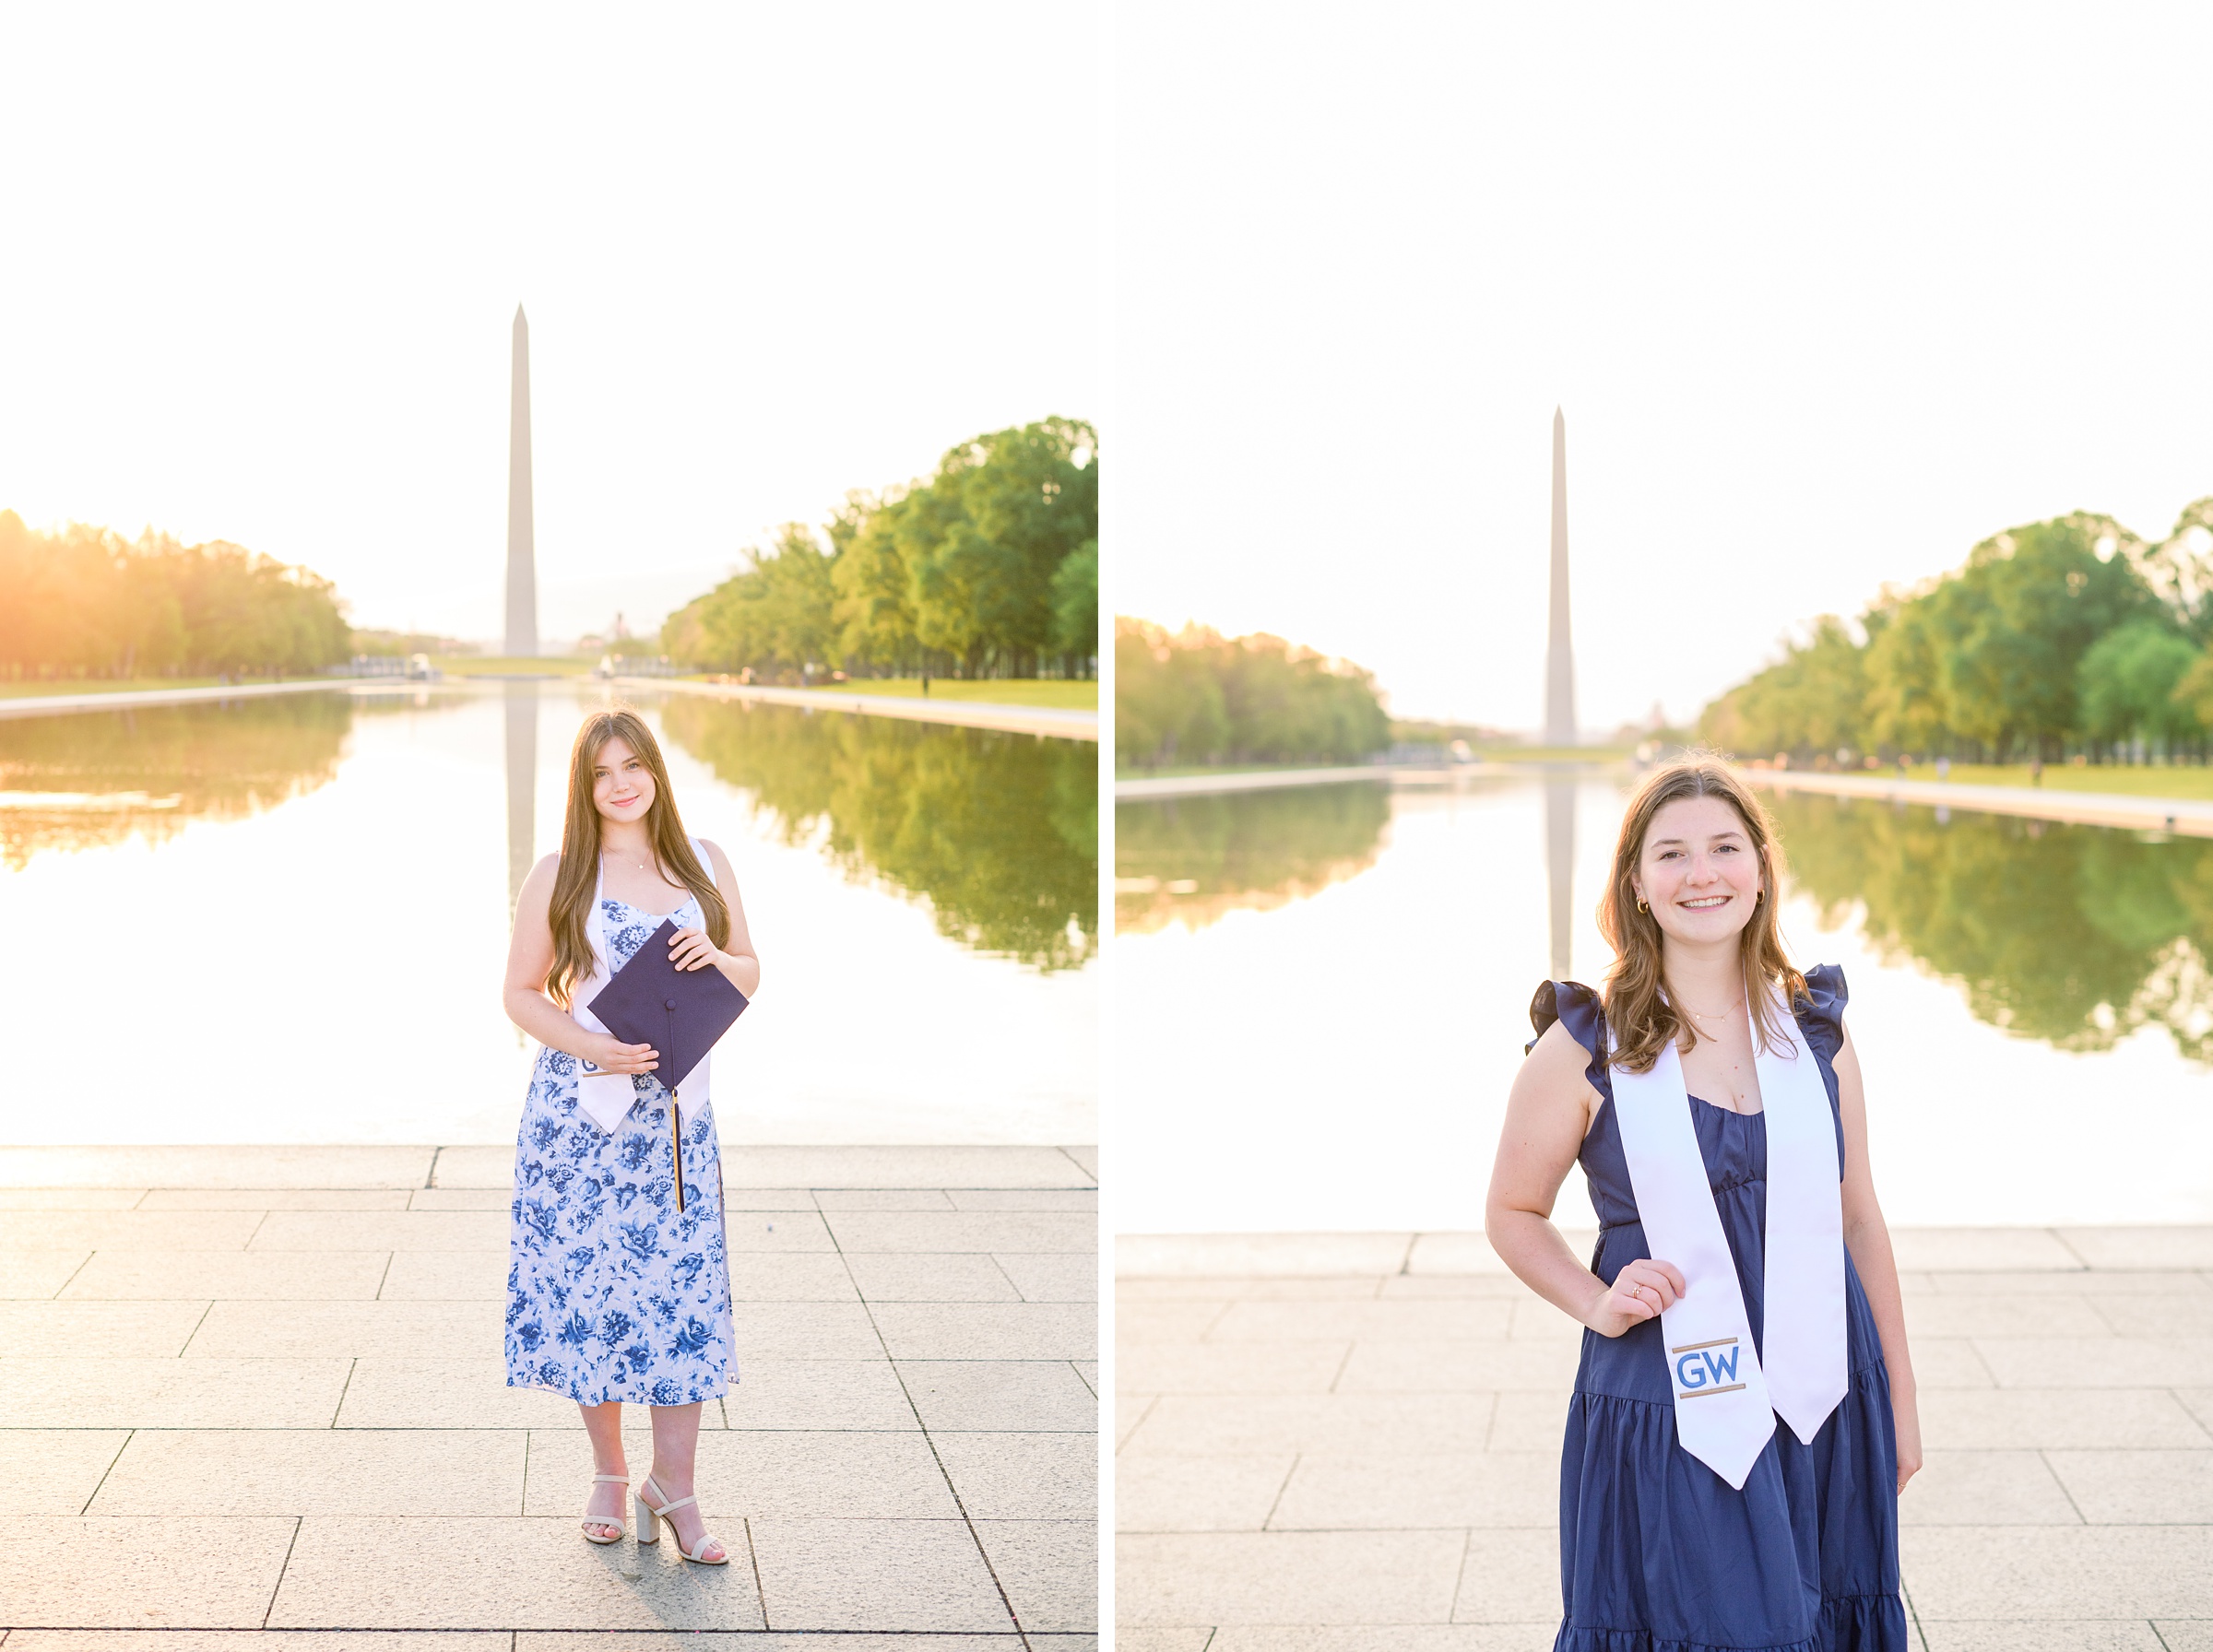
column 1637, row 1008
column 579, row 873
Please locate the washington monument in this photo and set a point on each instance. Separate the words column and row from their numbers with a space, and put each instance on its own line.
column 522, row 550
column 1559, row 650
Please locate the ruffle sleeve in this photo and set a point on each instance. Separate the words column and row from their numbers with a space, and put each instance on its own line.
column 1573, row 1002
column 1820, row 1012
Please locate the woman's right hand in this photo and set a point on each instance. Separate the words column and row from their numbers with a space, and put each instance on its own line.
column 611, row 1056
column 1639, row 1292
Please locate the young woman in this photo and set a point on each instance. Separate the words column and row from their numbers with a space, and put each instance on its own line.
column 1743, row 1416
column 615, row 1292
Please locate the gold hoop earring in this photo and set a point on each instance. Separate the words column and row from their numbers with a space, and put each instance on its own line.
column 1641, row 905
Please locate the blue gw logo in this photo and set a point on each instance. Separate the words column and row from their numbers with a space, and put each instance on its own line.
column 1707, row 1367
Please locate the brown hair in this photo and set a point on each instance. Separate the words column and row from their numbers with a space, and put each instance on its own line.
column 579, row 873
column 1637, row 1008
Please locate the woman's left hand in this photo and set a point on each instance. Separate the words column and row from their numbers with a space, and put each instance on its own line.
column 1906, row 1418
column 691, row 950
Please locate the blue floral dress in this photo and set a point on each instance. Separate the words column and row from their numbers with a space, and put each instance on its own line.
column 611, row 1293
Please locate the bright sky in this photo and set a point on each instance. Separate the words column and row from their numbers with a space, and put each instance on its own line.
column 262, row 264
column 1827, row 295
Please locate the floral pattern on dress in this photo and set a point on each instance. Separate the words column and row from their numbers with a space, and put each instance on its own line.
column 611, row 1294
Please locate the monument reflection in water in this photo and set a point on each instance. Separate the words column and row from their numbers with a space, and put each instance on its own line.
column 302, row 903
column 1330, row 1048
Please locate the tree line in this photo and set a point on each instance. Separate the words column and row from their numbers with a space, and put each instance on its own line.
column 85, row 602
column 990, row 567
column 1195, row 696
column 2059, row 638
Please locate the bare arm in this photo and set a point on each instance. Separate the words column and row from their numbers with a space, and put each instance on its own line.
column 1548, row 1114
column 1868, row 1237
column 530, row 961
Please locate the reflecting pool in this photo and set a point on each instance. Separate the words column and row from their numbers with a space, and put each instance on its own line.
column 285, row 919
column 1322, row 996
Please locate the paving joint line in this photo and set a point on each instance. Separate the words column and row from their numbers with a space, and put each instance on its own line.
column 346, row 1387
column 129, row 1435
column 73, row 1273
column 270, row 1611
column 1277, row 1500
column 385, row 1278
column 954, row 1492
column 2043, row 1456
column 2081, row 1260
column 754, row 1554
column 430, row 1175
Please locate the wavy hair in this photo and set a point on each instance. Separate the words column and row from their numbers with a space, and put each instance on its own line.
column 579, row 873
column 1637, row 1007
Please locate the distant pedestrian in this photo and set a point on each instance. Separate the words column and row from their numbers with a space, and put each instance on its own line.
column 2036, row 770
column 1743, row 1416
column 618, row 1286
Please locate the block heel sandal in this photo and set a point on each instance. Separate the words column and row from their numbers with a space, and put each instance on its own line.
column 614, row 1519
column 649, row 1526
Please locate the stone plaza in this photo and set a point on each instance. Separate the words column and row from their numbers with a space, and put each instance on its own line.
column 261, row 1390
column 1351, row 1442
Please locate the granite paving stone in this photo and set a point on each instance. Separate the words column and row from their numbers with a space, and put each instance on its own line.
column 2066, row 1401
column 1129, row 1412
column 1051, row 1275
column 225, row 1166
column 840, row 1394
column 405, row 1472
column 229, row 1276
column 383, row 1230
column 385, row 1392
column 1197, row 1491
column 38, row 1275
column 70, row 1198
column 806, row 1330
column 915, row 1575
column 2151, row 1247
column 149, row 1574
column 129, row 1230
column 1048, row 1569
column 352, row 1323
column 134, row 1393
column 2139, row 1488
column 780, row 1473
column 1986, row 1488
column 883, row 1199
column 988, row 1330
column 2102, row 1635
column 98, row 1330
column 1231, row 1367
column 776, row 1229
column 1019, row 1476
column 714, row 1640
column 274, row 1199
column 788, row 1276
column 1367, row 1322
column 1345, row 1424
column 1432, row 1489
column 924, row 1275
column 2179, row 1634
column 1063, row 1231
column 1291, row 1577
column 1180, row 1320
column 2093, row 1362
column 54, row 1470
column 1024, row 1198
column 310, row 1329
column 2014, row 1572
column 437, row 1573
column 970, row 1395
column 444, row 1276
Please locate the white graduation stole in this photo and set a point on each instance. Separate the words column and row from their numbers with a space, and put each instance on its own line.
column 1725, row 1402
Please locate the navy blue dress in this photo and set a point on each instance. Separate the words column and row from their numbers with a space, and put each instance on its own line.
column 1657, row 1553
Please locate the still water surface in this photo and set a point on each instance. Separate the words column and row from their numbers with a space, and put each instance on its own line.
column 1322, row 997
column 285, row 919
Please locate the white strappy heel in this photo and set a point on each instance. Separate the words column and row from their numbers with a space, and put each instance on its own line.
column 614, row 1519
column 649, row 1527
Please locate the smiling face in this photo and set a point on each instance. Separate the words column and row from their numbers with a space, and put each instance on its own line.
column 621, row 783
column 1699, row 870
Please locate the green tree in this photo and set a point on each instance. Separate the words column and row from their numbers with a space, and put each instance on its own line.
column 2126, row 685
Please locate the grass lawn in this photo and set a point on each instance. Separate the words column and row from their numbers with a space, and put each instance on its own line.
column 2134, row 781
column 134, row 685
column 1058, row 693
column 478, row 665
